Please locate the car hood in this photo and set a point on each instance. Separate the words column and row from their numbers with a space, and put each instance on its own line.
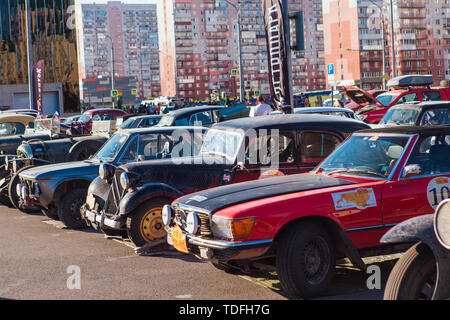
column 360, row 97
column 196, row 173
column 64, row 169
column 215, row 199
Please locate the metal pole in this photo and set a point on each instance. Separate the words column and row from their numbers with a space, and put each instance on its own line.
column 241, row 76
column 394, row 72
column 287, row 32
column 29, row 58
column 113, row 73
column 383, row 54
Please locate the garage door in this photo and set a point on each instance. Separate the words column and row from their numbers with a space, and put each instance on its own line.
column 50, row 102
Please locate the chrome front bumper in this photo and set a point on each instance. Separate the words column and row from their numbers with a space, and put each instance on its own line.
column 99, row 218
column 215, row 249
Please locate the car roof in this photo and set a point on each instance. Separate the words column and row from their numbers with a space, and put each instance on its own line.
column 324, row 109
column 421, row 130
column 104, row 109
column 162, row 129
column 20, row 116
column 184, row 111
column 145, row 116
column 293, row 121
column 423, row 105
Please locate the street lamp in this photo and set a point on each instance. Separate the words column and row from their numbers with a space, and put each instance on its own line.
column 382, row 41
column 241, row 78
column 112, row 63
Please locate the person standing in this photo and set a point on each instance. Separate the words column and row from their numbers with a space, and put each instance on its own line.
column 319, row 101
column 261, row 108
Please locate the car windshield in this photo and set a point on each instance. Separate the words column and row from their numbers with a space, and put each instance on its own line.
column 222, row 143
column 111, row 148
column 400, row 116
column 127, row 123
column 387, row 98
column 85, row 117
column 366, row 155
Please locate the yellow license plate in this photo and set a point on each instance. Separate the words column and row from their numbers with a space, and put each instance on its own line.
column 179, row 240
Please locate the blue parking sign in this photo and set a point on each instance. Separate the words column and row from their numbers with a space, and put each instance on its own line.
column 330, row 68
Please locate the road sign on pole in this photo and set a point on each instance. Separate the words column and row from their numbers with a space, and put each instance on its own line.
column 330, row 68
column 114, row 93
column 134, row 91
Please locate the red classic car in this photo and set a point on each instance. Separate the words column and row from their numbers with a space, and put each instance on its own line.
column 403, row 89
column 302, row 223
column 84, row 123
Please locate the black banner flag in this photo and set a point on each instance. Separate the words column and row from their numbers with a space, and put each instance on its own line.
column 276, row 51
column 38, row 85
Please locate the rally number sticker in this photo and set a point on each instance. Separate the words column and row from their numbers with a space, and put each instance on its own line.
column 360, row 198
column 438, row 189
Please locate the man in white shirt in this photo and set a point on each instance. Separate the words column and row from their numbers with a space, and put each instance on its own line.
column 261, row 109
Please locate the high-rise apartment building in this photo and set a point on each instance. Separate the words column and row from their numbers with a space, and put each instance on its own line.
column 52, row 39
column 421, row 38
column 132, row 31
column 200, row 48
column 354, row 43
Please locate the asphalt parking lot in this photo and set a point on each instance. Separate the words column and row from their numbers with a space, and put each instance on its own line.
column 37, row 258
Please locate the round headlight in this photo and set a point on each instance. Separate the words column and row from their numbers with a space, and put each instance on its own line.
column 124, row 180
column 106, row 171
column 166, row 214
column 442, row 223
column 192, row 223
column 102, row 171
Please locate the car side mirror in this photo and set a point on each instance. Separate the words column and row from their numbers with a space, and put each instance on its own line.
column 140, row 157
column 411, row 170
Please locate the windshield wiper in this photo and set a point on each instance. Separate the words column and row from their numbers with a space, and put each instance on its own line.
column 357, row 171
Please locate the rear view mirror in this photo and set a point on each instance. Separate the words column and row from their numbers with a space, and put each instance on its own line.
column 411, row 170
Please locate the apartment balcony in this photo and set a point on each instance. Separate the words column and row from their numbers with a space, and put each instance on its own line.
column 413, row 24
column 415, row 15
column 410, row 4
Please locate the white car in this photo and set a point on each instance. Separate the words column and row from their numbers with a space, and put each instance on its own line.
column 343, row 112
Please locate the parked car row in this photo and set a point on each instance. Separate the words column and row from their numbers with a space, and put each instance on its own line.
column 289, row 192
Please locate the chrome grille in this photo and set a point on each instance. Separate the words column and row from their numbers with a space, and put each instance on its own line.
column 204, row 225
column 115, row 193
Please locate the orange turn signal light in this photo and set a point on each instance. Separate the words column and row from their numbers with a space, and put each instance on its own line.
column 241, row 228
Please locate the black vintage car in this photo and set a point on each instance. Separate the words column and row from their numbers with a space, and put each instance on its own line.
column 423, row 271
column 60, row 189
column 38, row 152
column 202, row 115
column 130, row 198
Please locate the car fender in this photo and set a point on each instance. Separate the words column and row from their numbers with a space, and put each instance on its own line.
column 52, row 191
column 145, row 192
column 421, row 229
column 334, row 227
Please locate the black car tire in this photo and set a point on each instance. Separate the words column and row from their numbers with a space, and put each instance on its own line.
column 69, row 208
column 305, row 260
column 413, row 272
column 14, row 198
column 147, row 218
